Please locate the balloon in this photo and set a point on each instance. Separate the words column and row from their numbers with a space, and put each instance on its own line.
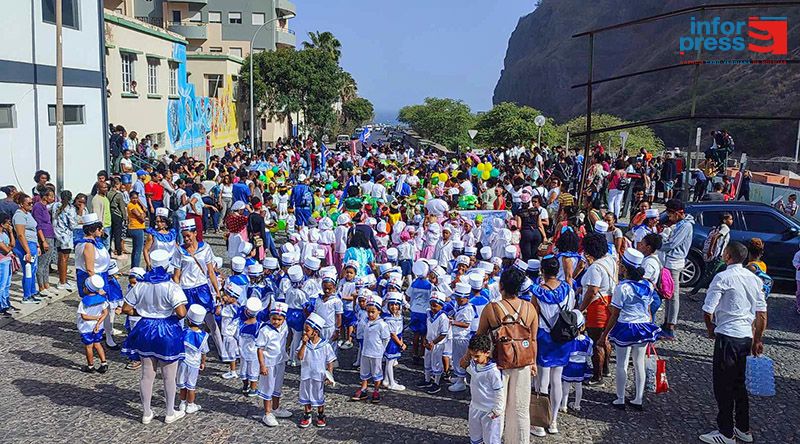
column 487, row 166
column 270, row 174
column 328, row 187
column 335, row 185
column 443, row 177
column 262, row 178
column 435, row 179
column 486, row 175
column 281, row 224
column 275, row 170
column 481, row 166
column 474, row 171
column 495, row 172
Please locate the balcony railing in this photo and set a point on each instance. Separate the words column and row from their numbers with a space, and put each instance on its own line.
column 155, row 21
column 190, row 30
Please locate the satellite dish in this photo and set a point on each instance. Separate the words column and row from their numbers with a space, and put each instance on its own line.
column 539, row 120
column 472, row 133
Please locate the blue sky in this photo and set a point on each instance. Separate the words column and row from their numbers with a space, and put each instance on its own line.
column 401, row 51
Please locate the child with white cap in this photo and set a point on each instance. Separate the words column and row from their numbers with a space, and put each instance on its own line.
column 92, row 310
column 375, row 337
column 316, row 365
column 114, row 297
column 248, row 350
column 330, row 308
column 438, row 328
column 340, row 239
column 195, row 342
column 647, row 226
column 346, row 291
column 406, row 253
column 313, row 282
column 271, row 343
column 229, row 327
column 418, row 295
column 464, row 323
column 486, row 387
column 444, row 248
column 579, row 367
column 509, row 256
column 296, row 299
column 270, row 277
column 255, row 287
column 394, row 320
column 479, row 295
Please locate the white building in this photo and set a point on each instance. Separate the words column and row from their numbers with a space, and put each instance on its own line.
column 28, row 93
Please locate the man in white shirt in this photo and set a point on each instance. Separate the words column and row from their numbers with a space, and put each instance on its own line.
column 735, row 313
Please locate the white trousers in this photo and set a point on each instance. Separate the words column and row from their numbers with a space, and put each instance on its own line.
column 515, row 403
column 482, row 428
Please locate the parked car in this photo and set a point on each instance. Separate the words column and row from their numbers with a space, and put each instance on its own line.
column 342, row 141
column 780, row 233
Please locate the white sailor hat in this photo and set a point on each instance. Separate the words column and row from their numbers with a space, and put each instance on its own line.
column 486, row 266
column 438, row 297
column 534, row 264
column 270, row 263
column 162, row 212
column 384, row 268
column 295, row 273
column 580, row 320
column 328, row 272
column 420, row 268
column 394, row 297
column 315, row 321
column 633, row 257
column 601, row 226
column 196, row 314
column 476, row 280
column 470, row 251
column 287, row 248
column 392, row 254
column 288, row 258
column 255, row 269
column 245, row 248
column 312, row 263
column 375, row 301
column 351, row 264
column 439, row 271
column 462, row 290
column 364, row 293
column 462, row 260
column 254, row 305
column 458, row 245
column 136, row 272
column 188, row 225
column 510, row 252
column 651, row 213
column 95, row 283
column 486, row 253
column 279, row 308
column 343, row 219
column 90, row 218
column 159, row 258
column 237, row 291
column 113, row 267
column 521, row 265
column 237, row 264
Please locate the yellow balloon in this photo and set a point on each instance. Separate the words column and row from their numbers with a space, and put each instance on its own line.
column 270, row 174
column 487, row 166
column 485, row 175
column 481, row 166
column 443, row 177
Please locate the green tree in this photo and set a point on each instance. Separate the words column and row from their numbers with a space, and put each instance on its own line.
column 357, row 111
column 639, row 137
column 349, row 87
column 325, row 41
column 445, row 121
column 508, row 124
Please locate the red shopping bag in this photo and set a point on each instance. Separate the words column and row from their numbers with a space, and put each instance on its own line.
column 661, row 382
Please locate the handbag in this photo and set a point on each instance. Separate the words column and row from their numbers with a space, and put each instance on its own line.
column 541, row 416
column 659, row 374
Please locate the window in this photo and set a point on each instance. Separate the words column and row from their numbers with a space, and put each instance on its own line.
column 235, row 52
column 258, row 18
column 197, row 17
column 173, row 79
column 214, row 17
column 69, row 12
column 176, row 16
column 764, row 223
column 215, row 83
column 127, row 72
column 7, row 116
column 214, row 49
column 235, row 87
column 235, row 18
column 73, row 114
column 152, row 76
column 712, row 219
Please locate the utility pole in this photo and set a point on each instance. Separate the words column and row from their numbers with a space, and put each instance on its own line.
column 59, row 99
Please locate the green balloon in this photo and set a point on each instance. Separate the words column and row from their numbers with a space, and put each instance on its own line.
column 495, row 172
column 262, row 178
column 275, row 169
column 335, row 185
column 434, row 180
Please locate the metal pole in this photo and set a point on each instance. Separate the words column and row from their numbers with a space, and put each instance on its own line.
column 567, row 140
column 586, row 159
column 797, row 143
column 59, row 99
column 539, row 139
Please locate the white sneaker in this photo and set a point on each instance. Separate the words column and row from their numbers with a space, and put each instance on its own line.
column 230, row 375
column 177, row 416
column 457, row 387
column 70, row 286
column 282, row 413
column 192, row 408
column 292, row 363
column 716, row 437
column 538, row 431
column 742, row 436
column 553, row 429
column 147, row 419
column 575, row 407
column 397, row 387
column 117, row 332
column 63, row 287
column 562, row 409
column 45, row 292
column 269, row 420
column 346, row 345
column 182, row 406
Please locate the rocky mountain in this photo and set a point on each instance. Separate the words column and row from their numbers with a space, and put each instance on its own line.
column 543, row 61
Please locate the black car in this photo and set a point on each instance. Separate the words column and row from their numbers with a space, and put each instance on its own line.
column 780, row 233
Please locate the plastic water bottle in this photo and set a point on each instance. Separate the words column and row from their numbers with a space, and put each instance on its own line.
column 28, row 270
column 760, row 376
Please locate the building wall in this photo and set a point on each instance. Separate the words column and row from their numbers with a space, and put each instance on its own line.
column 31, row 144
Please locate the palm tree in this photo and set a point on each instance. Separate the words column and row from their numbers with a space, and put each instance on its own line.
column 349, row 89
column 326, row 41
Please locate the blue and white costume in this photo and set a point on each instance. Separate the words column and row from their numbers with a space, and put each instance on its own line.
column 486, row 387
column 194, row 274
column 376, row 337
column 102, row 260
column 248, row 350
column 163, row 241
column 437, row 324
column 312, row 372
column 272, row 342
column 468, row 314
column 91, row 305
column 551, row 302
column 196, row 345
column 579, row 367
column 419, row 295
column 395, row 324
column 634, row 325
column 229, row 327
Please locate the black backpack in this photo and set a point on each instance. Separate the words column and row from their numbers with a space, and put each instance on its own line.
column 565, row 328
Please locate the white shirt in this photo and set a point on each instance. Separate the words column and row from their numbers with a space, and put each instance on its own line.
column 597, row 275
column 378, row 192
column 85, row 326
column 652, row 268
column 328, row 309
column 437, row 326
column 634, row 307
column 486, row 387
column 226, row 191
column 376, row 338
column 192, row 275
column 466, row 186
column 734, row 297
column 102, row 259
column 465, row 313
column 156, row 300
column 247, row 342
column 315, row 360
column 193, row 355
column 229, row 324
column 272, row 342
column 340, row 239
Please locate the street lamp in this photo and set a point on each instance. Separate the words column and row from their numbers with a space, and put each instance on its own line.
column 539, row 121
column 252, row 42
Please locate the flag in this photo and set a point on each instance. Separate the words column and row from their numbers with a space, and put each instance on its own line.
column 323, row 152
column 365, row 133
column 350, row 182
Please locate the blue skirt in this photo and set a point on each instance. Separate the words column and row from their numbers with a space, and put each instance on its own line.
column 349, row 318
column 625, row 334
column 200, row 295
column 80, row 278
column 393, row 351
column 161, row 339
column 92, row 337
column 576, row 372
column 419, row 323
column 295, row 318
column 405, row 267
column 550, row 353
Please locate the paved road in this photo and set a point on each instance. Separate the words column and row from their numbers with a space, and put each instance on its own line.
column 46, row 399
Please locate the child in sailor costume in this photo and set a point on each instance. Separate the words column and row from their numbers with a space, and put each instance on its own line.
column 92, row 310
column 347, row 292
column 394, row 320
column 316, row 364
column 195, row 342
column 296, row 299
column 464, row 324
column 330, row 308
column 486, row 387
column 102, row 258
column 375, row 337
column 579, row 367
column 438, row 329
column 271, row 343
column 159, row 240
column 418, row 295
column 248, row 350
column 229, row 327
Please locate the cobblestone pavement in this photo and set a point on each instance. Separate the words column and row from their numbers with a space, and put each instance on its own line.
column 46, row 399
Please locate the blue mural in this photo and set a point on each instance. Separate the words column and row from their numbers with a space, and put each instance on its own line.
column 188, row 119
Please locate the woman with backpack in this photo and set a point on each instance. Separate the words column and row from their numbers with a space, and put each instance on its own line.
column 513, row 323
column 553, row 298
column 630, row 327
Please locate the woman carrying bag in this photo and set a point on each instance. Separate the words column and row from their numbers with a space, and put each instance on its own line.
column 513, row 324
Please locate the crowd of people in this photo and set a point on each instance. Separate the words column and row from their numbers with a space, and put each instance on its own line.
column 491, row 271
